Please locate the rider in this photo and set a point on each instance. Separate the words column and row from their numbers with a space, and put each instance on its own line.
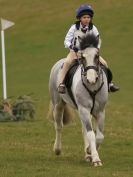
column 84, row 25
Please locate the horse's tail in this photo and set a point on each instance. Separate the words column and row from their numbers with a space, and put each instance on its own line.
column 50, row 112
column 68, row 113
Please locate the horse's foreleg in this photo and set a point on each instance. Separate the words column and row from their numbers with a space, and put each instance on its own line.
column 100, row 128
column 86, row 121
column 58, row 116
column 86, row 144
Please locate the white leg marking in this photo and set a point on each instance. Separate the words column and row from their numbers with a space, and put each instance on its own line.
column 94, row 154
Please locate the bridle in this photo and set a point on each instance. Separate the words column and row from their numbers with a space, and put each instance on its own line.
column 84, row 70
column 94, row 67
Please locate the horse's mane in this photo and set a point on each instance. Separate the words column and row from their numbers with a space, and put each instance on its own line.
column 89, row 41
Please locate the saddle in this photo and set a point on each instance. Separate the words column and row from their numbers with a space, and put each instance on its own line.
column 69, row 76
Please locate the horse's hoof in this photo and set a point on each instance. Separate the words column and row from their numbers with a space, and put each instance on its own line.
column 88, row 158
column 97, row 164
column 57, row 151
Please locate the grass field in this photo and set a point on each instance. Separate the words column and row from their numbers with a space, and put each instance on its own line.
column 33, row 45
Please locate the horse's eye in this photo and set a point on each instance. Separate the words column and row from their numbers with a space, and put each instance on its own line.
column 83, row 60
column 97, row 58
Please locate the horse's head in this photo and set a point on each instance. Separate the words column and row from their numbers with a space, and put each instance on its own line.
column 90, row 56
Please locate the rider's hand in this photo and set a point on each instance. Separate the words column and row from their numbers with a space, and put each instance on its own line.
column 74, row 48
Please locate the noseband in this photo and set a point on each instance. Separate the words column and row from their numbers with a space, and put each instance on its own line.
column 96, row 68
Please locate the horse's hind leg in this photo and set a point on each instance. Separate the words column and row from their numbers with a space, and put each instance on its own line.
column 58, row 122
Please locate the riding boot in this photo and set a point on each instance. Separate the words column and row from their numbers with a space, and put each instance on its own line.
column 111, row 86
column 62, row 88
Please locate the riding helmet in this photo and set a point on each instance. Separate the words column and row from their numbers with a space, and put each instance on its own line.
column 84, row 10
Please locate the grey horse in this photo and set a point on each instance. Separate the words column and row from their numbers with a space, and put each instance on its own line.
column 90, row 94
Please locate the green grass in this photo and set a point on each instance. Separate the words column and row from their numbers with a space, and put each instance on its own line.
column 33, row 45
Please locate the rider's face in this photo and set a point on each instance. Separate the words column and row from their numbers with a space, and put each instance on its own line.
column 85, row 20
